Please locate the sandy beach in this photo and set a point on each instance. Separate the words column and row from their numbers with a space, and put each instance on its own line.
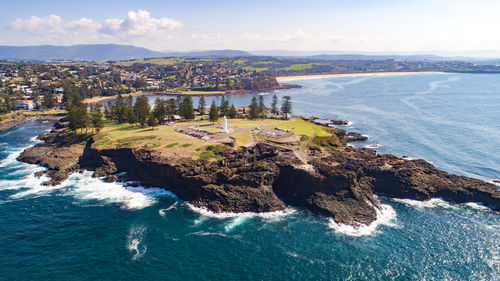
column 101, row 99
column 315, row 76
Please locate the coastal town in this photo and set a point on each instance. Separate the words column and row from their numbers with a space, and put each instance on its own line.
column 35, row 86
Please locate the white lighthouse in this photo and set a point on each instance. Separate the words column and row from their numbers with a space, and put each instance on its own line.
column 224, row 125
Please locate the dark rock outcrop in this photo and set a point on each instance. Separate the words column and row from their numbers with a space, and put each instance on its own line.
column 340, row 183
column 58, row 155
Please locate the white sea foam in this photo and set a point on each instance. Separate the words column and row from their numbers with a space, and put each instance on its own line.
column 477, row 206
column 162, row 211
column 84, row 187
column 377, row 145
column 12, row 157
column 200, row 220
column 385, row 216
column 32, row 186
column 235, row 222
column 431, row 203
column 29, row 184
column 204, row 233
column 134, row 239
column 225, row 215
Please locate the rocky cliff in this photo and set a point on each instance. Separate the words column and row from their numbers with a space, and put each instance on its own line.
column 338, row 183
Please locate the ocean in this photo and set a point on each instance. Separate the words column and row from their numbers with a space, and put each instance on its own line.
column 86, row 229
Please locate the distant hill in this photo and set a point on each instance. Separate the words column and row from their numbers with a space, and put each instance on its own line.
column 98, row 52
column 379, row 57
column 115, row 52
column 101, row 52
column 209, row 54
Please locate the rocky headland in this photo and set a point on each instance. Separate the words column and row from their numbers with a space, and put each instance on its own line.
column 336, row 183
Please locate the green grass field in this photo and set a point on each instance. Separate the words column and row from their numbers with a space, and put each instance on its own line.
column 243, row 139
column 303, row 127
column 157, row 61
column 162, row 139
column 300, row 66
column 253, row 68
column 168, row 142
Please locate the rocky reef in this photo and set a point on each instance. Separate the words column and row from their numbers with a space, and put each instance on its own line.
column 335, row 183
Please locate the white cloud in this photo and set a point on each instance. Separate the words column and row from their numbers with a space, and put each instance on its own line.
column 139, row 24
column 36, row 24
column 83, row 23
column 135, row 26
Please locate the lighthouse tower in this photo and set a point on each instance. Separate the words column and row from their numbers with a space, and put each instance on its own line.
column 224, row 125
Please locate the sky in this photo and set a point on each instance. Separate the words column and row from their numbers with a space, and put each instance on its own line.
column 335, row 25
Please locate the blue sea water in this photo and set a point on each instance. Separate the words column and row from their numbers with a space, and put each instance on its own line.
column 85, row 229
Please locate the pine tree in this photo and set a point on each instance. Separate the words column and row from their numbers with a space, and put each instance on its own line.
column 152, row 121
column 201, row 106
column 254, row 109
column 274, row 105
column 187, row 108
column 131, row 119
column 232, row 111
column 286, row 106
column 178, row 103
column 171, row 105
column 214, row 112
column 224, row 107
column 120, row 109
column 84, row 115
column 49, row 100
column 141, row 110
column 73, row 118
column 262, row 107
column 106, row 112
column 78, row 117
column 96, row 117
column 160, row 111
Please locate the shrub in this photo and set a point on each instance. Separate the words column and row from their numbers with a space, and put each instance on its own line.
column 170, row 145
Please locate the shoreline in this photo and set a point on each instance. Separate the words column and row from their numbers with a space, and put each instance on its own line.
column 317, row 76
column 24, row 118
column 282, row 86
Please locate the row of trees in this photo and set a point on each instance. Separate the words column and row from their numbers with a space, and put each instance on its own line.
column 257, row 109
column 140, row 112
column 82, row 118
column 124, row 110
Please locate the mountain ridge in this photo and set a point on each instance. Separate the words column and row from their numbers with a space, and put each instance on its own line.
column 117, row 52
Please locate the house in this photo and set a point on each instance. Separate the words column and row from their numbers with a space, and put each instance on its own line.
column 24, row 105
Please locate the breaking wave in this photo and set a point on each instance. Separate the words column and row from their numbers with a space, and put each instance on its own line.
column 385, row 216
column 431, row 203
column 84, row 187
column 226, row 215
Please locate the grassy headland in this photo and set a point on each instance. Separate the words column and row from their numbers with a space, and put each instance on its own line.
column 169, row 142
